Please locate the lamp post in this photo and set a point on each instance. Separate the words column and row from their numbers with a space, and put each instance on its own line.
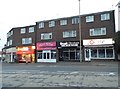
column 80, row 33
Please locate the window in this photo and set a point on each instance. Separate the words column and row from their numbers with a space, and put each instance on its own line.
column 75, row 20
column 93, row 53
column 46, row 36
column 11, row 32
column 105, row 16
column 63, row 22
column 97, row 31
column 23, row 30
column 109, row 53
column 10, row 42
column 8, row 34
column 31, row 29
column 26, row 40
column 102, row 53
column 89, row 18
column 67, row 34
column 51, row 23
column 41, row 25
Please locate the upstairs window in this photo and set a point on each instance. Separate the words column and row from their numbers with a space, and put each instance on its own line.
column 23, row 30
column 63, row 22
column 31, row 29
column 51, row 23
column 90, row 18
column 11, row 32
column 26, row 40
column 68, row 34
column 97, row 31
column 75, row 20
column 105, row 16
column 10, row 42
column 41, row 25
column 46, row 36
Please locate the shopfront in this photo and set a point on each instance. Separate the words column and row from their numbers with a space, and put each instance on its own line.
column 99, row 49
column 68, row 51
column 26, row 53
column 46, row 52
column 10, row 54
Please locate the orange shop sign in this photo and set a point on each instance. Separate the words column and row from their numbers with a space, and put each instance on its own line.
column 25, row 50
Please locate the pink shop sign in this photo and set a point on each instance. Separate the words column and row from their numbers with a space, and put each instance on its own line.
column 46, row 46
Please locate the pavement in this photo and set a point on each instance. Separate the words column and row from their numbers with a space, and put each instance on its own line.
column 62, row 79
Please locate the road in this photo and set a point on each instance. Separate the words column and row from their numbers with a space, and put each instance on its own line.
column 93, row 74
column 67, row 67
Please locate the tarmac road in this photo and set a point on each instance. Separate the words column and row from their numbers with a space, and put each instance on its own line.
column 93, row 74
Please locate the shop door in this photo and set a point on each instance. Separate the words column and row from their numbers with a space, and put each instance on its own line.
column 46, row 54
column 87, row 55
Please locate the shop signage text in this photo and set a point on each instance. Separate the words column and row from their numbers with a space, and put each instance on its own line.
column 69, row 44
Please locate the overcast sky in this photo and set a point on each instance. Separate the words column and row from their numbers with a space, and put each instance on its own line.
column 19, row 13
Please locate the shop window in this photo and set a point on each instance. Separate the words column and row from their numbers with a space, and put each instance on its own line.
column 94, row 53
column 77, row 55
column 39, row 55
column 44, row 55
column 101, row 53
column 53, row 55
column 109, row 53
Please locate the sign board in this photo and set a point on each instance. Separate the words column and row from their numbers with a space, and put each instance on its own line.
column 69, row 44
column 98, row 42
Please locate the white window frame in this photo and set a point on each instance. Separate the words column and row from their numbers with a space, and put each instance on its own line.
column 51, row 23
column 31, row 29
column 90, row 18
column 46, row 36
column 67, row 34
column 102, row 32
column 41, row 25
column 10, row 42
column 11, row 32
column 105, row 16
column 23, row 30
column 27, row 40
column 63, row 22
column 75, row 20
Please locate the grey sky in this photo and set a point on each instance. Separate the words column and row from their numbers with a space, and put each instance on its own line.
column 19, row 13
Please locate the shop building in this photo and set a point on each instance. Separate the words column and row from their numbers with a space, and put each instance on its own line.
column 102, row 49
column 46, row 52
column 25, row 53
column 68, row 51
column 20, row 42
column 98, row 30
column 58, row 39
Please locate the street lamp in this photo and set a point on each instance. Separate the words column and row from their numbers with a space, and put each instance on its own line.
column 80, row 33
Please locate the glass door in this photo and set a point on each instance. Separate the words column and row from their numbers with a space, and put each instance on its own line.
column 87, row 55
